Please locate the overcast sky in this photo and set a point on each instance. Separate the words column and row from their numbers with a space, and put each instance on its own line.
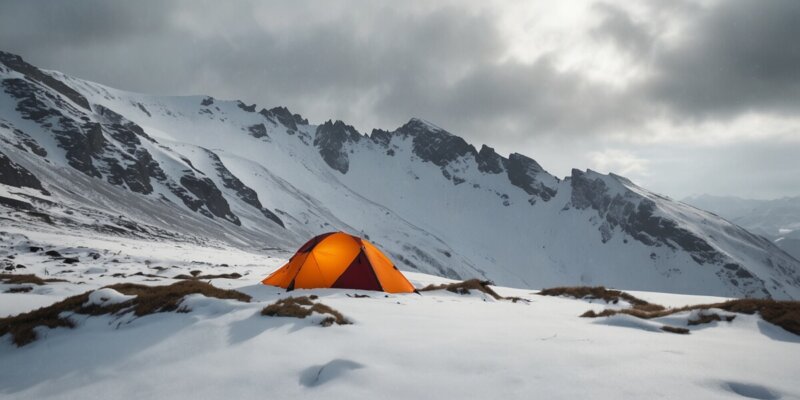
column 682, row 97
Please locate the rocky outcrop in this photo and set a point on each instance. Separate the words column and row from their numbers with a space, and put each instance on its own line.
column 330, row 140
column 489, row 161
column 286, row 118
column 207, row 194
column 16, row 63
column 523, row 173
column 433, row 144
column 13, row 174
column 258, row 131
column 244, row 192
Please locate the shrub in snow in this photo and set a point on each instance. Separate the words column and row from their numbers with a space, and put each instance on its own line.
column 116, row 299
column 301, row 307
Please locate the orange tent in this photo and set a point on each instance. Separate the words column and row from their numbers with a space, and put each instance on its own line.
column 339, row 260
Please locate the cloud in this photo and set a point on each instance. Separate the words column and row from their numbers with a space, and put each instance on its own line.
column 738, row 56
column 583, row 75
column 621, row 162
column 618, row 25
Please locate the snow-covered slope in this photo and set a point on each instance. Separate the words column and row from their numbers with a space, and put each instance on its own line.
column 82, row 157
column 777, row 220
column 429, row 346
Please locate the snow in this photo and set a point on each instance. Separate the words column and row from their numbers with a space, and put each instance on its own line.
column 106, row 297
column 424, row 221
column 429, row 345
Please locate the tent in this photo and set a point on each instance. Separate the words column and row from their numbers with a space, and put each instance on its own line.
column 340, row 260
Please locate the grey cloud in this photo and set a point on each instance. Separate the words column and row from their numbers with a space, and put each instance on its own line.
column 617, row 25
column 739, row 56
column 376, row 64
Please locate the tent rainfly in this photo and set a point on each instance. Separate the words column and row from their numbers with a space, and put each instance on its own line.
column 340, row 260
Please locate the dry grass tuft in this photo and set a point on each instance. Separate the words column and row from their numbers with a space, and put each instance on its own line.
column 234, row 275
column 19, row 289
column 148, row 300
column 465, row 287
column 32, row 279
column 301, row 307
column 675, row 329
column 601, row 293
column 785, row 314
column 705, row 318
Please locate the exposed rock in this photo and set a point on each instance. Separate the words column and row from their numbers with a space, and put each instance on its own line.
column 245, row 107
column 13, row 174
column 258, row 131
column 523, row 171
column 285, row 117
column 144, row 110
column 433, row 144
column 16, row 63
column 635, row 216
column 209, row 195
column 489, row 161
column 23, row 141
column 381, row 137
column 243, row 191
column 16, row 204
column 330, row 139
column 207, row 101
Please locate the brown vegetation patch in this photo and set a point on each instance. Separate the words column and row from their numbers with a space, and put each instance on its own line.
column 601, row 293
column 148, row 300
column 19, row 289
column 301, row 307
column 465, row 287
column 234, row 275
column 26, row 278
column 705, row 318
column 785, row 314
column 675, row 329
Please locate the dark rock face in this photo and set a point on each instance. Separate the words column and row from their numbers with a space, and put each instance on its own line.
column 23, row 141
column 245, row 107
column 209, row 195
column 29, row 105
column 13, row 174
column 489, row 161
column 103, row 144
column 258, row 131
column 16, row 63
column 144, row 110
column 207, row 102
column 637, row 220
column 435, row 145
column 244, row 192
column 381, row 137
column 330, row 140
column 285, row 117
column 522, row 172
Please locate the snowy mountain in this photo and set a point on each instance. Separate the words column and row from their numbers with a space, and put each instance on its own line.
column 81, row 159
column 778, row 219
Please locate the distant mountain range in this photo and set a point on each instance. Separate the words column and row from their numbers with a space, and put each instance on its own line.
column 778, row 219
column 79, row 158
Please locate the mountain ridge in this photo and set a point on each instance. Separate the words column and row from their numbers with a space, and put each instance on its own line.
column 204, row 169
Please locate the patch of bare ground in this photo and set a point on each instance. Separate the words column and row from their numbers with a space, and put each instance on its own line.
column 785, row 314
column 148, row 300
column 234, row 275
column 19, row 289
column 301, row 307
column 675, row 329
column 601, row 293
column 465, row 287
column 32, row 279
